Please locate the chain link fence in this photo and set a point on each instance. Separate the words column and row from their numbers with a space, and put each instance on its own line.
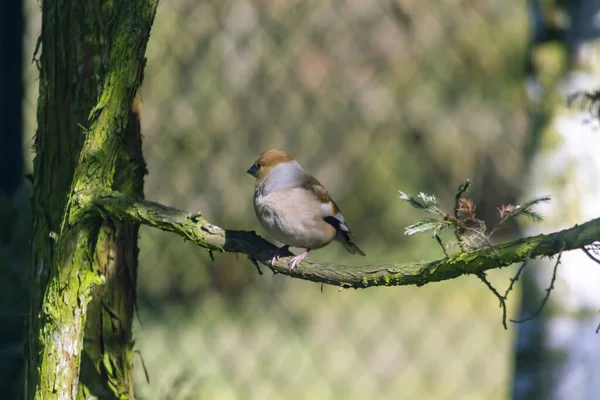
column 372, row 97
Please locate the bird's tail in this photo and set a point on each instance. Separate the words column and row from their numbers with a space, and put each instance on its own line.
column 348, row 244
column 344, row 235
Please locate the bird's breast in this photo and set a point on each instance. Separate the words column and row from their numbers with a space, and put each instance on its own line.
column 294, row 218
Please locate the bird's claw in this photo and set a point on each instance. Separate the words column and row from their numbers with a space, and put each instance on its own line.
column 278, row 253
column 296, row 260
column 293, row 262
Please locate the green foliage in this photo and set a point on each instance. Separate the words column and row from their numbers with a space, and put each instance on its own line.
column 470, row 231
column 508, row 213
column 435, row 226
column 423, row 202
column 430, row 205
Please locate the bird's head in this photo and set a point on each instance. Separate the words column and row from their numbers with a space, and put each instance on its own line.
column 267, row 162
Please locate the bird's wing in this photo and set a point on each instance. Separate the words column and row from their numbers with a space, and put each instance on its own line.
column 332, row 214
column 329, row 209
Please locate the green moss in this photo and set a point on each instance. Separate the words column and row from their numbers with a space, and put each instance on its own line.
column 98, row 99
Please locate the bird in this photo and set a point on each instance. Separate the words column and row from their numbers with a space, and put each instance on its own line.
column 295, row 208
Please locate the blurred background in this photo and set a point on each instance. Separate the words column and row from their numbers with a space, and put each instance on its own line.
column 372, row 97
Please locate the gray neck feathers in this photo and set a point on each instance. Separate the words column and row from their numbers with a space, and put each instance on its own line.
column 284, row 176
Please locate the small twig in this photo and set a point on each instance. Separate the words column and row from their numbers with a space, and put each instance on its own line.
column 253, row 260
column 589, row 101
column 548, row 291
column 596, row 250
column 462, row 188
column 439, row 240
column 515, row 278
column 502, row 300
column 143, row 366
column 137, row 313
column 272, row 268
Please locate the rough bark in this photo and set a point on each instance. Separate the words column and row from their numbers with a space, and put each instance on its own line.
column 91, row 64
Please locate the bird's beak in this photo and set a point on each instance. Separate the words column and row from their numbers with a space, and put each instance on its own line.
column 253, row 170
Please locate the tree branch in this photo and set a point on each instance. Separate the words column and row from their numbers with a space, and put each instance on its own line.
column 204, row 234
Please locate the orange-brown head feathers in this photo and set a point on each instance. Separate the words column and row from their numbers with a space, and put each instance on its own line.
column 268, row 160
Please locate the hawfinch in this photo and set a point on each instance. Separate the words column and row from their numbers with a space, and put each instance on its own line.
column 295, row 208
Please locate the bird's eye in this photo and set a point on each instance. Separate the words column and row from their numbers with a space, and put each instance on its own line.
column 258, row 166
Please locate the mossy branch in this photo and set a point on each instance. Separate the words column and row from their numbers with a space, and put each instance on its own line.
column 200, row 231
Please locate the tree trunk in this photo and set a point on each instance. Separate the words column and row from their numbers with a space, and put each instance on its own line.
column 557, row 354
column 84, row 266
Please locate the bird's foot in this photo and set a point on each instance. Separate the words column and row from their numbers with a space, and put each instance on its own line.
column 296, row 260
column 278, row 253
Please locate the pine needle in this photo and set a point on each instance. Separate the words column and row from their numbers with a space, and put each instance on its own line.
column 423, row 202
column 511, row 212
